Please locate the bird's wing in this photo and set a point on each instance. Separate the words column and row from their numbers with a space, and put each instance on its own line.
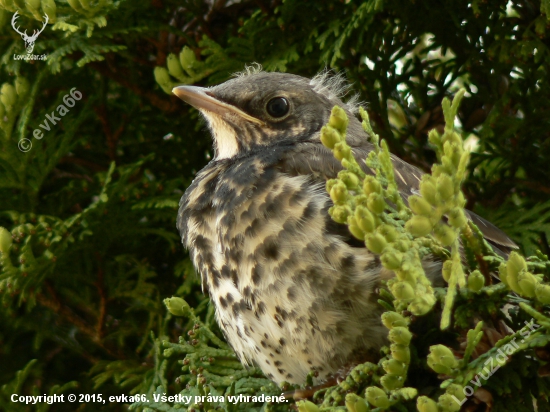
column 317, row 161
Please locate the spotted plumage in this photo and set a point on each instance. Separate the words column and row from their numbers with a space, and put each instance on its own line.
column 293, row 290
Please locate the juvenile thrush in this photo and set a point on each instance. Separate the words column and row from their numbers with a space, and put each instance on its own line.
column 293, row 290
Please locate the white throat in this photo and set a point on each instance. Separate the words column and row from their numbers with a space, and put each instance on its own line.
column 225, row 138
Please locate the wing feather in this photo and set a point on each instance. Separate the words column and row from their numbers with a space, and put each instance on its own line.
column 313, row 159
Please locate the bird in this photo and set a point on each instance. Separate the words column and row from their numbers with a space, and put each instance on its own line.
column 294, row 291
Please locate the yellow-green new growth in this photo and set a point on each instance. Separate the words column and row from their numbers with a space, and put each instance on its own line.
column 8, row 96
column 5, row 240
column 12, row 98
column 177, row 306
column 516, row 277
column 361, row 202
column 442, row 360
column 377, row 397
column 49, row 7
column 425, row 404
column 355, row 403
column 186, row 68
column 441, row 196
column 369, row 204
column 396, row 364
column 307, row 406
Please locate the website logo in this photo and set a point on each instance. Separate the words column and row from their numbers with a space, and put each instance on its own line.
column 29, row 40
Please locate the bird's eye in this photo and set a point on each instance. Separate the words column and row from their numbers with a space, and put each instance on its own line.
column 277, row 107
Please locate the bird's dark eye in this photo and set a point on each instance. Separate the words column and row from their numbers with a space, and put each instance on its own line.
column 277, row 107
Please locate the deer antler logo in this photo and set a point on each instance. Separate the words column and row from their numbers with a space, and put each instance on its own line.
column 29, row 40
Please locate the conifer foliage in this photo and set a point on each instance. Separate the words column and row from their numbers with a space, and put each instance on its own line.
column 98, row 295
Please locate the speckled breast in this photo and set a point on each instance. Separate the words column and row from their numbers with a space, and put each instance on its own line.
column 291, row 296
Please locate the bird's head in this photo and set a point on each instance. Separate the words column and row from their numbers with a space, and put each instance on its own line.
column 258, row 109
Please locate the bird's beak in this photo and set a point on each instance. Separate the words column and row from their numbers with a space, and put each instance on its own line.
column 203, row 99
